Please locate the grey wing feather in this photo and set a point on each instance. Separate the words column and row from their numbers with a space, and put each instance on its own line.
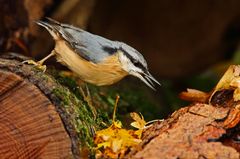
column 87, row 45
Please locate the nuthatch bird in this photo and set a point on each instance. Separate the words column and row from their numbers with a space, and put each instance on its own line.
column 93, row 58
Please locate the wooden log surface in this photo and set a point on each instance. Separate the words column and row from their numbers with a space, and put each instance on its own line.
column 30, row 126
column 209, row 128
column 54, row 114
column 192, row 132
column 35, row 122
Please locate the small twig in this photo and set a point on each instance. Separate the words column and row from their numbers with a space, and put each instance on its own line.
column 115, row 107
column 87, row 98
column 150, row 123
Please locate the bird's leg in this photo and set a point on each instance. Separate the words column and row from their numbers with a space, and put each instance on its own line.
column 47, row 57
column 39, row 64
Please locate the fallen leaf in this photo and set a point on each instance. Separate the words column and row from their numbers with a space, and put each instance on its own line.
column 225, row 94
column 139, row 121
column 235, row 82
column 114, row 141
column 193, row 95
column 229, row 81
column 236, row 94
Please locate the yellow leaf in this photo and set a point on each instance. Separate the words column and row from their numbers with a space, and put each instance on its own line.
column 104, row 144
column 139, row 133
column 116, row 145
column 229, row 75
column 235, row 82
column 139, row 122
column 236, row 94
column 230, row 80
column 114, row 141
column 117, row 124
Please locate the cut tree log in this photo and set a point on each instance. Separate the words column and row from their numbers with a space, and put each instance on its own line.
column 30, row 125
column 40, row 118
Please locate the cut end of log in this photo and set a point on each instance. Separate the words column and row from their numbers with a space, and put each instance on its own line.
column 35, row 125
column 30, row 127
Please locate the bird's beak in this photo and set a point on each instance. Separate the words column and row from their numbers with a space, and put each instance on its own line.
column 147, row 78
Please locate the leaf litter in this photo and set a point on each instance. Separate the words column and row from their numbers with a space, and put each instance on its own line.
column 115, row 141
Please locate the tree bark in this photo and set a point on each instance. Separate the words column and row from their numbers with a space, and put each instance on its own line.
column 37, row 121
column 30, row 125
column 40, row 118
column 198, row 131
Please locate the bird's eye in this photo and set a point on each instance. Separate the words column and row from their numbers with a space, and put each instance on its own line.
column 135, row 61
column 137, row 64
column 74, row 43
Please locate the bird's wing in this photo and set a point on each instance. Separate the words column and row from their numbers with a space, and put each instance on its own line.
column 89, row 46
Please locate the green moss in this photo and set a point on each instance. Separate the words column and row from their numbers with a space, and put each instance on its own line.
column 63, row 95
column 80, row 113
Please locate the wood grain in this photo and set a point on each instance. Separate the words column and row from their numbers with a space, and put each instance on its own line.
column 29, row 124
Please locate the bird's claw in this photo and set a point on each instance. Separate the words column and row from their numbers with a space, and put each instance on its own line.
column 38, row 65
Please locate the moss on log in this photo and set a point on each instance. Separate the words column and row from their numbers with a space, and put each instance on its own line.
column 26, row 89
column 40, row 117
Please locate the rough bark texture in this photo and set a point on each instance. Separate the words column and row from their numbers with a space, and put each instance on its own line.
column 31, row 103
column 197, row 131
column 209, row 128
column 37, row 121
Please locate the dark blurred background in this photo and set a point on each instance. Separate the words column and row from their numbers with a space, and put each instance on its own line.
column 187, row 44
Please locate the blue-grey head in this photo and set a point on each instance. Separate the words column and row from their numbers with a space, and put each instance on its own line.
column 134, row 63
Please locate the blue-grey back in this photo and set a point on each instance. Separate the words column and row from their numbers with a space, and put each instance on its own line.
column 92, row 47
column 89, row 46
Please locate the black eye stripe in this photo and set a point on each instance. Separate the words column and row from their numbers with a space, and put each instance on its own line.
column 134, row 61
column 139, row 65
column 129, row 57
column 110, row 50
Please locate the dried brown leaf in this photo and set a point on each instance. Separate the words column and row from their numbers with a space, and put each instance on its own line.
column 194, row 95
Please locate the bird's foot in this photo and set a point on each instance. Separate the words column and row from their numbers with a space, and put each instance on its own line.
column 37, row 64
